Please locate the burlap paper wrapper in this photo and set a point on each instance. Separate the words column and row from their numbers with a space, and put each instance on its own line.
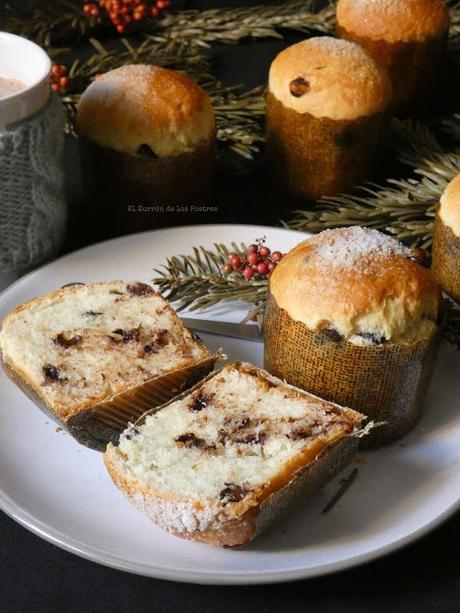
column 413, row 67
column 103, row 422
column 388, row 383
column 312, row 156
column 305, row 483
column 446, row 258
column 117, row 181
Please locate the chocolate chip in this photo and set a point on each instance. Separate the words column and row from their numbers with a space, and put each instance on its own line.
column 127, row 335
column 374, row 338
column 331, row 334
column 191, row 440
column 200, row 402
column 149, row 349
column 420, row 256
column 223, row 436
column 61, row 340
column 140, row 289
column 160, row 338
column 71, row 284
column 93, row 313
column 299, row 87
column 233, row 493
column 147, row 152
column 301, row 433
column 52, row 373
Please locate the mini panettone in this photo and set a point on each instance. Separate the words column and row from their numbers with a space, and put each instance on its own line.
column 327, row 104
column 148, row 140
column 97, row 356
column 446, row 240
column 407, row 37
column 222, row 462
column 352, row 316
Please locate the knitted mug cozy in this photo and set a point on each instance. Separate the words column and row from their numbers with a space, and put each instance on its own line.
column 32, row 204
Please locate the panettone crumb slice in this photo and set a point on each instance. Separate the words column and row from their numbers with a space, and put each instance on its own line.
column 83, row 344
column 204, row 466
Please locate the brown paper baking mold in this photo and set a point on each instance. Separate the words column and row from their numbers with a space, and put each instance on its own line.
column 388, row 383
column 116, row 181
column 413, row 68
column 312, row 156
column 103, row 423
column 446, row 258
column 305, row 482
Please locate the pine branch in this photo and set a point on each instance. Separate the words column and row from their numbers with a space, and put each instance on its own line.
column 197, row 282
column 402, row 207
column 240, row 119
column 66, row 23
column 48, row 25
column 232, row 25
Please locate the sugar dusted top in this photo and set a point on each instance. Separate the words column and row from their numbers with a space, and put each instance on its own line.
column 393, row 20
column 361, row 282
column 329, row 77
column 353, row 248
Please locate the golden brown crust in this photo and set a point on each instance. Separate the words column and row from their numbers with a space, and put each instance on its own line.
column 394, row 20
column 317, row 294
column 414, row 68
column 446, row 258
column 449, row 207
column 238, row 523
column 328, row 77
column 139, row 105
column 98, row 419
column 388, row 382
column 317, row 156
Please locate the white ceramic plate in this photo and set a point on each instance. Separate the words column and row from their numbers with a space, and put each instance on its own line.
column 61, row 492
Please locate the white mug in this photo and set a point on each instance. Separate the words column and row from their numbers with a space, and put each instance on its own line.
column 25, row 61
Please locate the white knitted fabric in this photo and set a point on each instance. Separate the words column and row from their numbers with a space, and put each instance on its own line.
column 32, row 205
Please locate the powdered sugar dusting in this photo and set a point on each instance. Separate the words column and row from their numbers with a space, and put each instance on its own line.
column 131, row 79
column 355, row 246
column 177, row 516
column 340, row 49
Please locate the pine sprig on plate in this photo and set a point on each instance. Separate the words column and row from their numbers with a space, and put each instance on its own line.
column 198, row 281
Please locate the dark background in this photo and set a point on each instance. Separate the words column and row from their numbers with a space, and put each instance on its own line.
column 37, row 577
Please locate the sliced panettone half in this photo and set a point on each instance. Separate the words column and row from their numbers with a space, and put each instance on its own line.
column 221, row 462
column 97, row 356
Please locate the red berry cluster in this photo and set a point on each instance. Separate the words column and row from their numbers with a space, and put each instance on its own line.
column 122, row 13
column 258, row 260
column 59, row 81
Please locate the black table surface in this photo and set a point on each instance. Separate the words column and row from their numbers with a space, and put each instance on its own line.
column 36, row 576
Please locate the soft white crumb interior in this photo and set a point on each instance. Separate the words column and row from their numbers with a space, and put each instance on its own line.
column 246, row 434
column 124, row 339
